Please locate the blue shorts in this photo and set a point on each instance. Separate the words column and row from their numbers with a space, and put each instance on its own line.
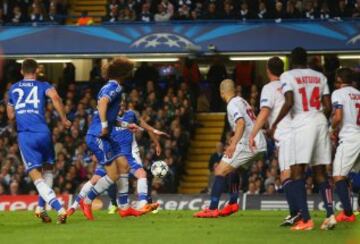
column 105, row 150
column 133, row 164
column 36, row 149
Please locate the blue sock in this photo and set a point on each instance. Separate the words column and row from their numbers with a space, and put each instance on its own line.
column 234, row 181
column 112, row 194
column 343, row 192
column 55, row 204
column 327, row 197
column 301, row 198
column 142, row 197
column 92, row 194
column 216, row 191
column 41, row 203
column 288, row 186
column 78, row 198
column 123, row 199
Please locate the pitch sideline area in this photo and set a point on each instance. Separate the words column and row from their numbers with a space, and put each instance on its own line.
column 169, row 227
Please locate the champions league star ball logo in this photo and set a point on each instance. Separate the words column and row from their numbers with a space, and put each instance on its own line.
column 163, row 40
column 354, row 40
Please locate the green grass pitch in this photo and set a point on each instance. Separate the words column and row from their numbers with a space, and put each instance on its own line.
column 169, row 227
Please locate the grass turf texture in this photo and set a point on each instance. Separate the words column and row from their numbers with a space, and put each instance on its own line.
column 169, row 227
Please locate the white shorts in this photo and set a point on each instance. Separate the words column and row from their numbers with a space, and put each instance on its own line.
column 242, row 156
column 347, row 155
column 137, row 157
column 286, row 152
column 312, row 144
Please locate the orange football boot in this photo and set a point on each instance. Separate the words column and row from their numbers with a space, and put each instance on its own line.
column 207, row 213
column 229, row 209
column 341, row 217
column 127, row 212
column 70, row 212
column 301, row 225
column 86, row 209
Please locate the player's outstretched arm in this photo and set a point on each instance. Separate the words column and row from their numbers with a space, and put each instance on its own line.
column 234, row 140
column 259, row 123
column 59, row 106
column 289, row 103
column 102, row 108
column 153, row 135
column 151, row 129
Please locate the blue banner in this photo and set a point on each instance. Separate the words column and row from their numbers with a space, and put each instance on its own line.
column 181, row 38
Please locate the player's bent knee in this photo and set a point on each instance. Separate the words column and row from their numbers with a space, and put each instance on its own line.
column 95, row 179
column 35, row 174
column 223, row 169
column 140, row 173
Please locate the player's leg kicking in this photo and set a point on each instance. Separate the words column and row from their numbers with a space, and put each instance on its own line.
column 241, row 119
column 143, row 206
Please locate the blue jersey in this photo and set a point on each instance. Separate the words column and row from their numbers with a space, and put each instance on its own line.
column 111, row 90
column 28, row 97
column 123, row 135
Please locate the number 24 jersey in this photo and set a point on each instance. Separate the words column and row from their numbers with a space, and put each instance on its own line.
column 28, row 98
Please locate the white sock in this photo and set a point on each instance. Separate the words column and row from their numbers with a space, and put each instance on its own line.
column 49, row 180
column 142, row 191
column 47, row 193
column 99, row 188
column 123, row 189
column 82, row 194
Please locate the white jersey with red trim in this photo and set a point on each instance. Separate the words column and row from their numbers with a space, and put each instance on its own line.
column 272, row 98
column 348, row 99
column 239, row 108
column 308, row 87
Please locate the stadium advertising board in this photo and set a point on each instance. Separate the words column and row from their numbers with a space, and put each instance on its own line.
column 176, row 202
column 181, row 37
column 25, row 202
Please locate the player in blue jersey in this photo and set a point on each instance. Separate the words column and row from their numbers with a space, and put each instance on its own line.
column 129, row 148
column 99, row 139
column 27, row 101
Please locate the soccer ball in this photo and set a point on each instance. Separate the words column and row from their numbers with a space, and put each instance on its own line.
column 159, row 169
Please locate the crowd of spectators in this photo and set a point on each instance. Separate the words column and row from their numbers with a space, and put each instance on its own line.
column 16, row 12
column 165, row 10
column 166, row 108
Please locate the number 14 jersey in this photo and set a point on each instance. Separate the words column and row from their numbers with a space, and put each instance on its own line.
column 308, row 87
column 28, row 97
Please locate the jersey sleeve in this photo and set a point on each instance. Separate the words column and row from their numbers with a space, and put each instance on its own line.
column 266, row 98
column 286, row 84
column 47, row 86
column 336, row 100
column 235, row 111
column 110, row 91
